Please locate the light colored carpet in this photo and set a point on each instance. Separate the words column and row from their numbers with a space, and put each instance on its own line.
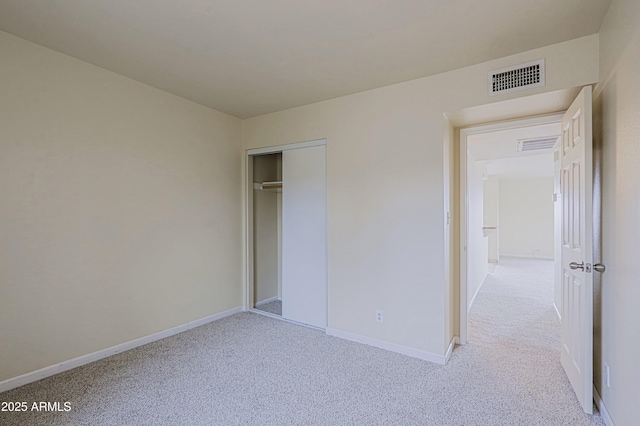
column 274, row 307
column 249, row 369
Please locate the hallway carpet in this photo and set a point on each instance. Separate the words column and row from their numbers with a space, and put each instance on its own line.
column 249, row 369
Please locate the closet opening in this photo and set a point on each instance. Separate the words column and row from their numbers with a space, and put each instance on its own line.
column 287, row 232
column 267, row 233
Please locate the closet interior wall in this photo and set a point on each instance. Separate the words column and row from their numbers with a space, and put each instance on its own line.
column 267, row 229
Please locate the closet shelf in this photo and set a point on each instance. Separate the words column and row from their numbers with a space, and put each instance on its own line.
column 268, row 186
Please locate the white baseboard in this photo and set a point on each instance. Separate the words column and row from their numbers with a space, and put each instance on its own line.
column 557, row 311
column 603, row 410
column 51, row 370
column 393, row 347
column 454, row 341
column 269, row 300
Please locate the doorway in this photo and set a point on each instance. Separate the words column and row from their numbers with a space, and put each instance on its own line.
column 508, row 183
column 573, row 246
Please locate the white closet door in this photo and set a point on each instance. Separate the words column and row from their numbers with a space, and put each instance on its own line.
column 304, row 236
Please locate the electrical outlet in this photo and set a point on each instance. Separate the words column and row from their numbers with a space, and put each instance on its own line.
column 379, row 316
column 607, row 375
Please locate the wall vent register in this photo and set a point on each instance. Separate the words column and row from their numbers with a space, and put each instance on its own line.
column 518, row 77
column 536, row 144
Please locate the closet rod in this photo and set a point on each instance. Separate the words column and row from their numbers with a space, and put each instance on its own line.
column 268, row 186
column 271, row 185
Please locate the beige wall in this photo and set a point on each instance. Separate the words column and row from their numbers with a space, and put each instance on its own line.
column 385, row 180
column 121, row 203
column 120, row 212
column 617, row 136
column 526, row 217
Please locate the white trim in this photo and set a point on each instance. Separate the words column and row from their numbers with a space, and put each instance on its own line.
column 51, row 370
column 269, row 300
column 393, row 347
column 463, row 207
column 454, row 340
column 513, row 124
column 557, row 311
column 603, row 409
column 464, row 224
column 247, row 230
column 279, row 148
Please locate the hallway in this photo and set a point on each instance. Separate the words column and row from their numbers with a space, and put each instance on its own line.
column 514, row 332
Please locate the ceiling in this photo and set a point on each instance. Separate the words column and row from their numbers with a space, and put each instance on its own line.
column 251, row 57
column 500, row 151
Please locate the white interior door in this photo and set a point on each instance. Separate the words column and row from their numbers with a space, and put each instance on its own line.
column 304, row 245
column 577, row 248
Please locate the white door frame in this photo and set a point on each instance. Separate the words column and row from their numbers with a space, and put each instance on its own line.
column 464, row 196
column 248, row 215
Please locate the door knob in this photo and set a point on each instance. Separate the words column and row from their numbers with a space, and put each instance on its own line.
column 599, row 267
column 575, row 265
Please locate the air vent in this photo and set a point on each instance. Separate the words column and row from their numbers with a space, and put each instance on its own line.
column 518, row 77
column 536, row 144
